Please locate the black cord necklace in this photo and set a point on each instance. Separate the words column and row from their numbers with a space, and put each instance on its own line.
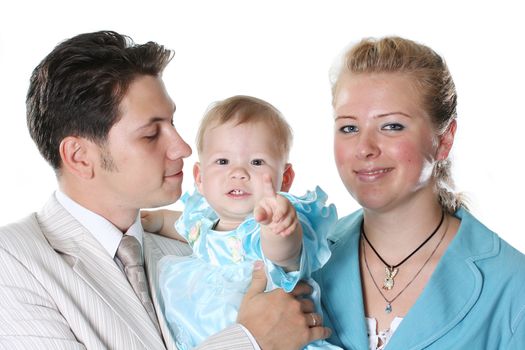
column 392, row 270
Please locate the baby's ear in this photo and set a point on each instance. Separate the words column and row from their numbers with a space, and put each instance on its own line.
column 288, row 177
column 197, row 176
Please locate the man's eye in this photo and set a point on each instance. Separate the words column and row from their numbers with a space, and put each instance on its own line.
column 151, row 137
column 393, row 127
column 257, row 162
column 222, row 161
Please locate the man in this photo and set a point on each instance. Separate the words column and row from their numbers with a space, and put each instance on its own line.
column 99, row 113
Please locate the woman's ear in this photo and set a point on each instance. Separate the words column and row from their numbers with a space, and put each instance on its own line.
column 76, row 156
column 288, row 177
column 446, row 141
column 197, row 176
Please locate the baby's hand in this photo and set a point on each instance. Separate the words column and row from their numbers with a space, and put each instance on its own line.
column 275, row 211
column 161, row 221
column 152, row 221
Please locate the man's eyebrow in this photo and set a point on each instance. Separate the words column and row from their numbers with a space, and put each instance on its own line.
column 154, row 120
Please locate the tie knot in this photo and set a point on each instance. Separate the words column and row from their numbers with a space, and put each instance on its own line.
column 129, row 252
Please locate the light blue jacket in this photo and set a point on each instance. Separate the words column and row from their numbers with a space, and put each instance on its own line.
column 475, row 298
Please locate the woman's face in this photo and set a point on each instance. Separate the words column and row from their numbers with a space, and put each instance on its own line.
column 385, row 145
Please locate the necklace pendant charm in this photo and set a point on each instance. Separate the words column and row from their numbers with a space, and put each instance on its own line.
column 388, row 308
column 390, row 273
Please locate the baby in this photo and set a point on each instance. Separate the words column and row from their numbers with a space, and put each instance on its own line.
column 235, row 217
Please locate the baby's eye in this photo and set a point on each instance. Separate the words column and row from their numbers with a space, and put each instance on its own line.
column 347, row 129
column 257, row 162
column 222, row 161
column 393, row 127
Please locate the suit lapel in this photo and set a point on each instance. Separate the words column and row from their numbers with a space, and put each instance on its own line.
column 94, row 265
column 450, row 294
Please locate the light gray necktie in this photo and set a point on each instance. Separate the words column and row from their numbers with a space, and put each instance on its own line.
column 129, row 254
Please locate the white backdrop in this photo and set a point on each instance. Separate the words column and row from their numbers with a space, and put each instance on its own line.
column 281, row 51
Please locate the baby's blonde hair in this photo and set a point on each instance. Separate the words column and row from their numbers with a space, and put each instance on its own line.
column 247, row 109
column 430, row 75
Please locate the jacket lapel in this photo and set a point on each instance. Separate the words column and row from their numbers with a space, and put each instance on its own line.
column 347, row 314
column 452, row 291
column 94, row 265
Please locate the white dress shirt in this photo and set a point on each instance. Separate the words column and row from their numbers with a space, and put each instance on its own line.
column 107, row 234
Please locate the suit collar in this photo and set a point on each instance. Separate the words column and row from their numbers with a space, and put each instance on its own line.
column 152, row 254
column 88, row 258
column 452, row 290
column 107, row 234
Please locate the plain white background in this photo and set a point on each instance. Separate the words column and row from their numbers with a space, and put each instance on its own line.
column 281, row 51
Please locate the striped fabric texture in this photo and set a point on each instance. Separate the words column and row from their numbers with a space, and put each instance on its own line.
column 59, row 289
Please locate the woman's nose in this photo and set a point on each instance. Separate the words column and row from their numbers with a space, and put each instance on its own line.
column 367, row 147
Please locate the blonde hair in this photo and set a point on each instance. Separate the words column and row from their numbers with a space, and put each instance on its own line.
column 247, row 109
column 430, row 75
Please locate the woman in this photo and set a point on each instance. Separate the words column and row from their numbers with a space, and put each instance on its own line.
column 413, row 269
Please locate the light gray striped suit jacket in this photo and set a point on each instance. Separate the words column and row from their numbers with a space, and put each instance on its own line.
column 60, row 290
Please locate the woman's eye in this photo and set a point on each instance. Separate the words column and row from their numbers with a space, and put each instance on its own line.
column 222, row 161
column 257, row 162
column 347, row 129
column 393, row 127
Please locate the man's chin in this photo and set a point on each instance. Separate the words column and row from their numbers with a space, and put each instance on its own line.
column 164, row 200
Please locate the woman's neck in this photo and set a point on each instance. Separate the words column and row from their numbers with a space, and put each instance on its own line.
column 396, row 232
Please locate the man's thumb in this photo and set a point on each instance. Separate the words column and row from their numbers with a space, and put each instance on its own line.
column 258, row 284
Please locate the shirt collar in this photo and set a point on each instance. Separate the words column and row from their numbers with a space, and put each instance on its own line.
column 107, row 234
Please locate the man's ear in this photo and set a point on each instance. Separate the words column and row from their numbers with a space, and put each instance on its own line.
column 288, row 177
column 446, row 141
column 75, row 153
column 197, row 176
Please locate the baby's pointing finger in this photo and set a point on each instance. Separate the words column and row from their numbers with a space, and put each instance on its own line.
column 268, row 189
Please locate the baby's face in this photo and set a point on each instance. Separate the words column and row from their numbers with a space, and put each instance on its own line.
column 233, row 160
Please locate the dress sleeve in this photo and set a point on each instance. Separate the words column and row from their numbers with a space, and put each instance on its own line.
column 196, row 215
column 316, row 219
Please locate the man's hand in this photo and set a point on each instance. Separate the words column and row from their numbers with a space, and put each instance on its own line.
column 280, row 320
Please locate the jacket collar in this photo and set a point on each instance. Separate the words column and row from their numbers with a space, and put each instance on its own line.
column 152, row 254
column 453, row 289
column 88, row 258
column 450, row 294
column 350, row 318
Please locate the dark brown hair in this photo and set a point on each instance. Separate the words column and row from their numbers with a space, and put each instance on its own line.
column 77, row 88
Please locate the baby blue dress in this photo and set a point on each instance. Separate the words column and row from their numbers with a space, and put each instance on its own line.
column 202, row 292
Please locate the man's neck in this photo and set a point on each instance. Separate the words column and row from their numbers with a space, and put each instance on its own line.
column 121, row 217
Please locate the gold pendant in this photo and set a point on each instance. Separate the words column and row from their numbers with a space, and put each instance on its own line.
column 390, row 273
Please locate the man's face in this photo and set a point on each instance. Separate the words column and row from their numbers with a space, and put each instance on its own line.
column 140, row 165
